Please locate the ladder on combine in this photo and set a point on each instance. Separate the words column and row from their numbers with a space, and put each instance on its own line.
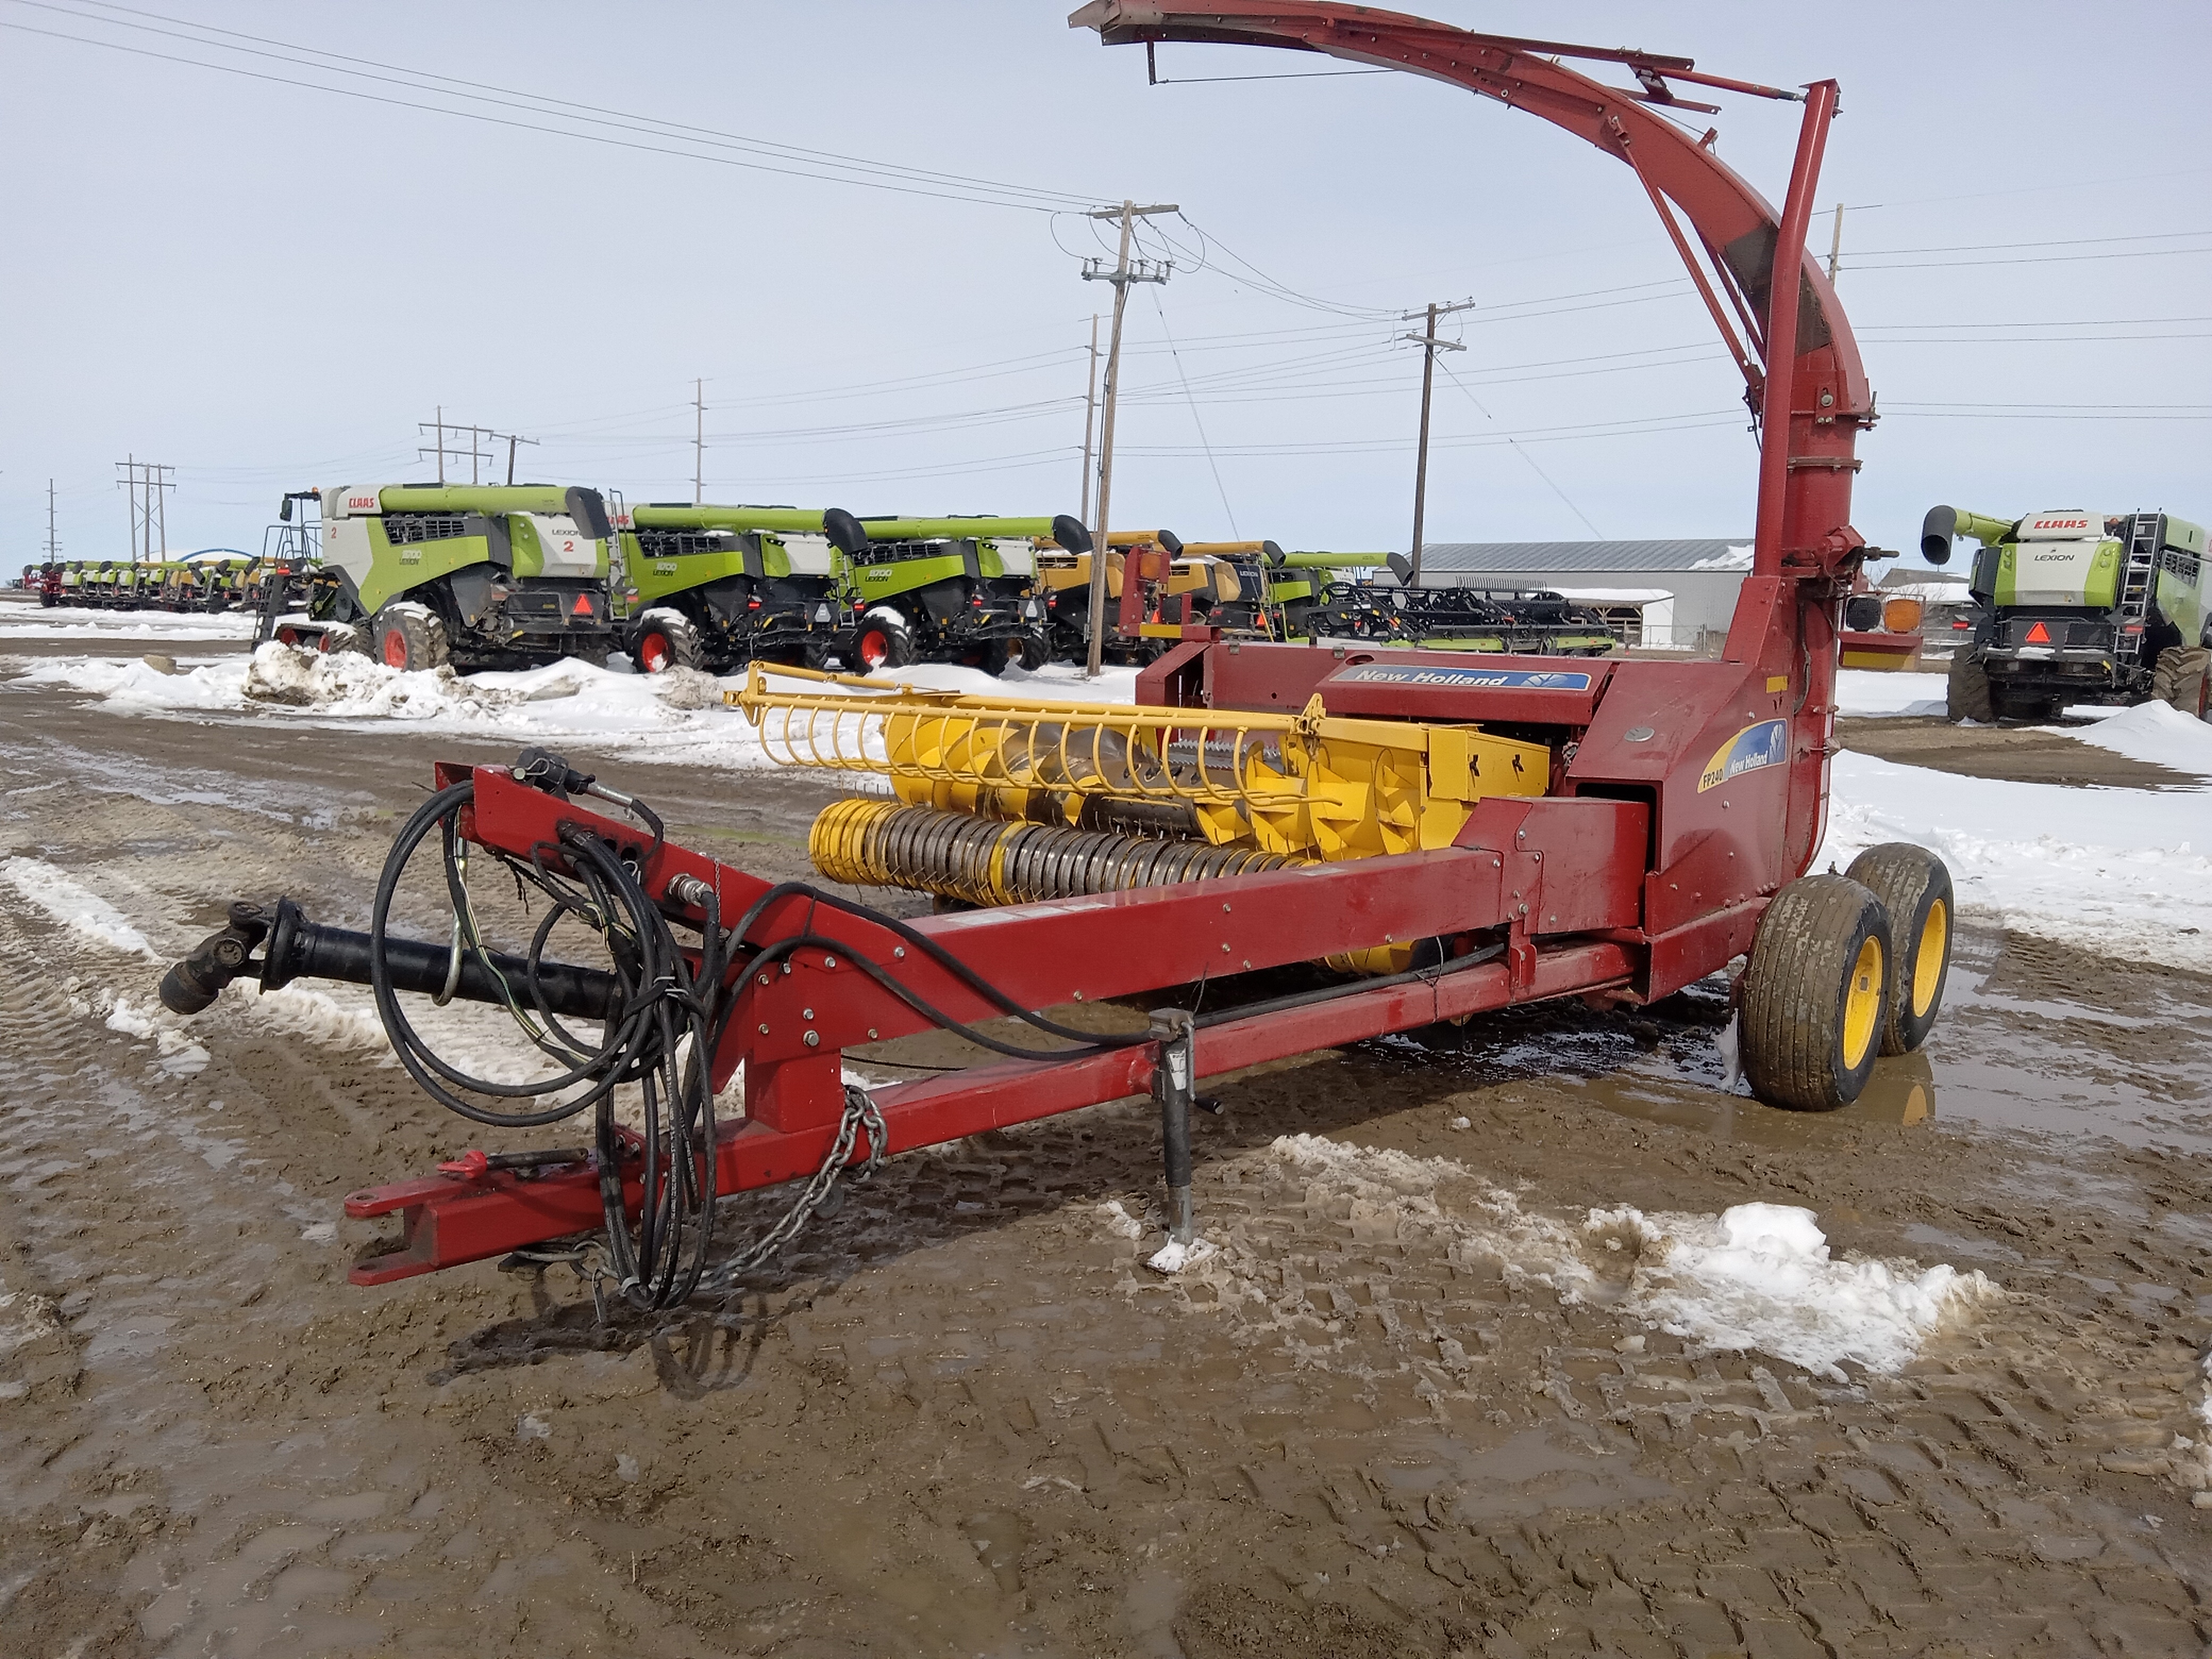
column 2138, row 583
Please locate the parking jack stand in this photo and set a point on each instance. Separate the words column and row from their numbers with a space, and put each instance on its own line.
column 1174, row 1035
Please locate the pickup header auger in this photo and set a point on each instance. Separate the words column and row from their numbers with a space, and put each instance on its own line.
column 1450, row 835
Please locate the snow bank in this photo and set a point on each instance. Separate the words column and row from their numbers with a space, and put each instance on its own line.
column 2153, row 732
column 20, row 621
column 1758, row 1276
column 2123, row 873
column 1864, row 692
column 678, row 717
column 77, row 908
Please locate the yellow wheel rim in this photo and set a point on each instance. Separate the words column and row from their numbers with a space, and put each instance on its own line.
column 1862, row 996
column 1927, row 960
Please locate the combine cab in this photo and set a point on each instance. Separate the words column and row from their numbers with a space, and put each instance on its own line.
column 2078, row 607
column 716, row 587
column 491, row 577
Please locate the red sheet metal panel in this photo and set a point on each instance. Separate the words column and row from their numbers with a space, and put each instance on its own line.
column 1586, row 858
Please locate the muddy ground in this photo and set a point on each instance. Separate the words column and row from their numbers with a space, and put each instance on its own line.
column 962, row 1418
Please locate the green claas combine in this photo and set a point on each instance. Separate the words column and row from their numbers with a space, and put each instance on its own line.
column 2071, row 606
column 492, row 576
column 716, row 587
column 963, row 590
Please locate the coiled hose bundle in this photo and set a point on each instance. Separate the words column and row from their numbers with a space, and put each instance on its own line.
column 657, row 1034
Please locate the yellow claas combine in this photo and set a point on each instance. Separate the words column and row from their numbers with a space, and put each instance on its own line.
column 1006, row 800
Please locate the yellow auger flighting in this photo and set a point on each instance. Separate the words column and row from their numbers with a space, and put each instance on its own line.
column 1006, row 800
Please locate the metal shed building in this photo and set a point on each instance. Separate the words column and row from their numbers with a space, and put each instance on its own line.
column 1686, row 590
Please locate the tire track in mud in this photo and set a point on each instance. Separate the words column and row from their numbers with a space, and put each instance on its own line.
column 212, row 1472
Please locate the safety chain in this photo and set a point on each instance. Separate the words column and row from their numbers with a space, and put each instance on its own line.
column 860, row 1112
column 588, row 1259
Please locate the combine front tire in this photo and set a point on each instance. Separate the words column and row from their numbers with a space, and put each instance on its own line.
column 1815, row 994
column 410, row 637
column 1967, row 693
column 1915, row 888
column 2180, row 678
column 664, row 639
column 883, row 641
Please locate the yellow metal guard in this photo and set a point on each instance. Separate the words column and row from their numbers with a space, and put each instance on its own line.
column 1300, row 787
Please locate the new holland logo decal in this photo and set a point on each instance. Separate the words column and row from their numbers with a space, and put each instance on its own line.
column 1518, row 679
column 1766, row 744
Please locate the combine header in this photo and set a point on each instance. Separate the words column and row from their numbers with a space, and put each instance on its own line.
column 1277, row 848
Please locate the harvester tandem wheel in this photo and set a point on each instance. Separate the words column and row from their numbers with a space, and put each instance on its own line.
column 1966, row 690
column 1815, row 994
column 664, row 639
column 2181, row 676
column 411, row 637
column 1915, row 887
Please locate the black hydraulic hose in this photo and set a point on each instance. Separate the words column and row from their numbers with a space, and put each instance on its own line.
column 1089, row 1042
column 783, row 947
column 659, row 1015
column 420, row 1061
column 1336, row 993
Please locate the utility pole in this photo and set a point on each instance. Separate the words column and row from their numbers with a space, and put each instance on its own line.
column 1836, row 244
column 1089, row 413
column 476, row 451
column 1430, row 346
column 510, row 441
column 150, row 486
column 1121, row 275
column 698, row 443
column 53, row 542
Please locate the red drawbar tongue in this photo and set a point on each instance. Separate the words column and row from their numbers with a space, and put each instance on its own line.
column 2039, row 634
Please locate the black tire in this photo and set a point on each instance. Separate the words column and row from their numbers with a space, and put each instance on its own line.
column 664, row 638
column 1915, row 887
column 1967, row 692
column 882, row 641
column 1036, row 651
column 1815, row 994
column 410, row 637
column 999, row 655
column 2181, row 676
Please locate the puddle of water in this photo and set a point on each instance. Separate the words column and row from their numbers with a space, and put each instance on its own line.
column 2139, row 1075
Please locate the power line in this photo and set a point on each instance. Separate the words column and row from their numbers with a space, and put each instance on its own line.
column 2067, row 241
column 1526, row 457
column 759, row 156
column 1213, row 466
column 2032, row 259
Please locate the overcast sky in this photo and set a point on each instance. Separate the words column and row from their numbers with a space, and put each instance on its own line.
column 268, row 283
